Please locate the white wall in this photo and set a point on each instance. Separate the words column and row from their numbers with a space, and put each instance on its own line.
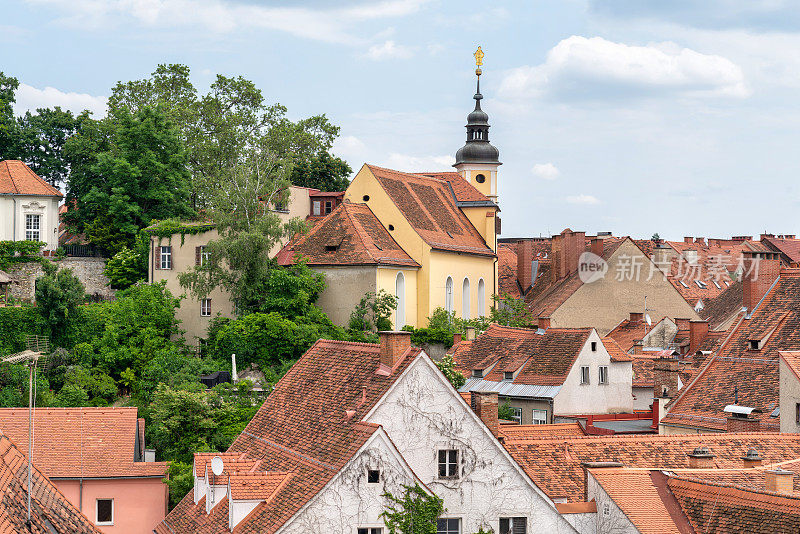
column 615, row 397
column 423, row 413
column 45, row 207
column 614, row 519
column 643, row 398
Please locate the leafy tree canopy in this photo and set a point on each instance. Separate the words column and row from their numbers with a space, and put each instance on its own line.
column 58, row 294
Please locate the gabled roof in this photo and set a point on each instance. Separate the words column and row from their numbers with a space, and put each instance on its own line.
column 83, row 442
column 50, row 510
column 792, row 360
column 349, row 235
column 542, row 359
column 735, row 370
column 789, row 247
column 615, row 351
column 430, row 207
column 310, row 426
column 464, row 191
column 720, row 309
column 507, row 271
column 16, row 178
column 549, row 431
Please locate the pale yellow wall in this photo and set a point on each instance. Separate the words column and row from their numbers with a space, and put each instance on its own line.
column 459, row 266
column 387, row 277
column 344, row 288
column 469, row 171
column 604, row 303
column 485, row 225
column 789, row 397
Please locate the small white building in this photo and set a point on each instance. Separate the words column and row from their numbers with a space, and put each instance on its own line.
column 28, row 206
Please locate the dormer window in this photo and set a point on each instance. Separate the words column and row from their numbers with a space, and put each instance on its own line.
column 331, row 248
column 754, row 344
column 508, row 375
column 684, row 284
column 477, row 373
column 701, row 285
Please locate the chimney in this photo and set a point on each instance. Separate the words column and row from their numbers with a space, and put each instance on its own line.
column 665, row 377
column 470, row 333
column 743, row 423
column 701, row 458
column 485, row 405
column 688, row 240
column 682, row 324
column 751, row 459
column 576, row 247
column 779, row 481
column 457, row 338
column 544, row 323
column 524, row 264
column 698, row 332
column 637, row 317
column 596, row 246
column 700, row 240
column 638, row 346
column 394, row 345
column 761, row 269
column 566, row 250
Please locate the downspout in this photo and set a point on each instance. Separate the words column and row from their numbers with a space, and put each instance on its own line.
column 14, row 235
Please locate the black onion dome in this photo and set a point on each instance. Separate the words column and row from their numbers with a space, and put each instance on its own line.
column 477, row 148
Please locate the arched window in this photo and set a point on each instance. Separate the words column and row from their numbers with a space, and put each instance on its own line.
column 481, row 298
column 448, row 295
column 465, row 299
column 400, row 293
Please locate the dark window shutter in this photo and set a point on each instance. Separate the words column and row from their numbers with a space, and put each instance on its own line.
column 504, row 527
column 197, row 255
column 520, row 525
column 498, row 227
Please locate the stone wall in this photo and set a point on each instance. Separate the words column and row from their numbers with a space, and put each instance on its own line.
column 88, row 270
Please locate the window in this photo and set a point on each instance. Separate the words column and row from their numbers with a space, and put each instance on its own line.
column 606, row 510
column 477, row 373
column 517, row 415
column 316, row 207
column 755, row 344
column 716, row 284
column 370, row 530
column 391, row 228
column 539, row 417
column 166, row 258
column 201, row 255
column 448, row 463
column 448, row 295
column 513, row 525
column 328, row 206
column 400, row 293
column 33, row 230
column 508, row 375
column 797, row 412
column 465, row 299
column 480, row 178
column 105, row 512
column 481, row 298
column 205, row 308
column 700, row 284
column 603, row 374
column 366, row 198
column 584, row 374
column 448, row 526
column 684, row 284
column 373, row 476
column 594, row 346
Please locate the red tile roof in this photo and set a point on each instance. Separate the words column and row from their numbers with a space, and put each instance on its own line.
column 428, row 204
column 302, row 428
column 735, row 369
column 527, row 432
column 721, row 308
column 91, row 442
column 507, row 271
column 615, row 351
column 792, row 360
column 788, row 247
column 261, row 486
column 349, row 235
column 555, row 464
column 538, row 359
column 50, row 509
column 463, row 190
column 16, row 178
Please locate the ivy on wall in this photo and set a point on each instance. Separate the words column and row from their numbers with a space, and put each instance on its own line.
column 12, row 252
column 168, row 227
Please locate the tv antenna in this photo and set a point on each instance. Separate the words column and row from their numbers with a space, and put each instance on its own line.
column 36, row 349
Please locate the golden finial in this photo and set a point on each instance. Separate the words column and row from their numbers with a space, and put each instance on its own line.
column 478, row 60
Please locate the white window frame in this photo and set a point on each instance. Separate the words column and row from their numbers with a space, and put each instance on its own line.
column 370, row 529
column 400, row 293
column 97, row 510
column 33, row 227
column 205, row 255
column 585, row 375
column 316, row 207
column 511, row 525
column 465, row 303
column 517, row 414
column 481, row 298
column 165, row 257
column 538, row 420
column 328, row 206
column 205, row 307
column 448, row 530
column 602, row 375
column 449, row 464
column 448, row 295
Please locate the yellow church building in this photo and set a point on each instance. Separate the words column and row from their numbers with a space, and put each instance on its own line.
column 428, row 238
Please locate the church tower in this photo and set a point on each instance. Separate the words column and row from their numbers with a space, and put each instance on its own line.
column 477, row 161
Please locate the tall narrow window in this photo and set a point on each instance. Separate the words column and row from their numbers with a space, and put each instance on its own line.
column 513, row 525
column 448, row 295
column 481, row 298
column 603, row 378
column 316, row 207
column 33, row 229
column 205, row 308
column 166, row 258
column 448, row 463
column 584, row 374
column 400, row 293
column 105, row 512
column 328, row 206
column 465, row 299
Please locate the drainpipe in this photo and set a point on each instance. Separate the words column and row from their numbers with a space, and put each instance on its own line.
column 14, row 235
column 80, row 496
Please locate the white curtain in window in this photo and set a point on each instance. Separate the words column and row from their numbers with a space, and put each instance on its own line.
column 400, row 293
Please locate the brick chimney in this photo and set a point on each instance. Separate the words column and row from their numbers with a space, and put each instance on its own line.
column 779, row 481
column 751, row 459
column 596, row 246
column 394, row 345
column 761, row 269
column 566, row 250
column 638, row 346
column 698, row 332
column 701, row 458
column 665, row 377
column 743, row 423
column 457, row 338
column 524, row 264
column 688, row 240
column 485, row 405
column 682, row 324
column 544, row 322
column 637, row 316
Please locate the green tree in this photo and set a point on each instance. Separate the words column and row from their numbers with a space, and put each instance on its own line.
column 373, row 312
column 415, row 512
column 505, row 411
column 129, row 266
column 42, row 139
column 448, row 367
column 9, row 128
column 58, row 294
column 324, row 172
column 71, row 395
column 509, row 311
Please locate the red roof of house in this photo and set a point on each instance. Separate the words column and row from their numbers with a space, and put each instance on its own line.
column 615, row 351
column 528, row 432
column 50, row 509
column 464, row 191
column 791, row 359
column 429, row 205
column 349, row 235
column 790, row 247
column 16, row 178
column 721, row 308
column 507, row 271
column 262, row 486
column 537, row 359
column 309, row 426
column 81, row 442
column 735, row 370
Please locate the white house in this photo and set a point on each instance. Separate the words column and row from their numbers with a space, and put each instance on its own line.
column 548, row 372
column 28, row 206
column 348, row 423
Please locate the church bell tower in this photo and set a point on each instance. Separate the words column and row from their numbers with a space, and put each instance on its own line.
column 477, row 161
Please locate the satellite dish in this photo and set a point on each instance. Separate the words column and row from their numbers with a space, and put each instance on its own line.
column 217, row 465
column 647, row 318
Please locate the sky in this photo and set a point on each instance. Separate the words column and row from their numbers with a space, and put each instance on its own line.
column 680, row 118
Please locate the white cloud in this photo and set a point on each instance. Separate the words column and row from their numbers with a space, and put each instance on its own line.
column 30, row 98
column 388, row 50
column 407, row 163
column 587, row 200
column 594, row 68
column 546, row 171
column 351, row 149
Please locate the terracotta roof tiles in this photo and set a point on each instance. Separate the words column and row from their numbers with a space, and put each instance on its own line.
column 16, row 178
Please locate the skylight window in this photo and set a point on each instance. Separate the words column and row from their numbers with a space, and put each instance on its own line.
column 701, row 285
column 684, row 284
column 716, row 284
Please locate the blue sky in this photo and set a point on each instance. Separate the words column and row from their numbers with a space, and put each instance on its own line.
column 631, row 116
